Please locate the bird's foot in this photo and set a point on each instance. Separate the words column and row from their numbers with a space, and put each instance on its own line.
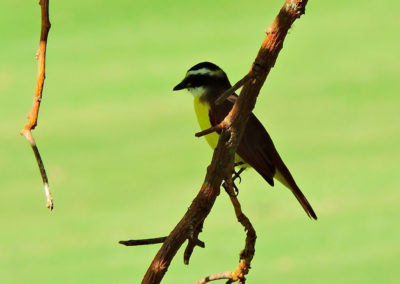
column 235, row 189
column 236, row 174
column 238, row 164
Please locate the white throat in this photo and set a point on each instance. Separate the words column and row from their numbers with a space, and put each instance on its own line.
column 197, row 92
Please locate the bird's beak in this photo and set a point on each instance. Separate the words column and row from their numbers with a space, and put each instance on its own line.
column 182, row 85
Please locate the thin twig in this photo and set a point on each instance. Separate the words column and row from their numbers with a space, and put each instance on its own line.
column 141, row 242
column 153, row 241
column 247, row 254
column 216, row 276
column 37, row 98
column 233, row 89
column 31, row 140
column 215, row 128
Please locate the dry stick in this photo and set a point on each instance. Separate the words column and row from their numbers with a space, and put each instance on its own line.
column 216, row 128
column 153, row 241
column 221, row 165
column 217, row 276
column 233, row 89
column 247, row 254
column 141, row 242
column 37, row 97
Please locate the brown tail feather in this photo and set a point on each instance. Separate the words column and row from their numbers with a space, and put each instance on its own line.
column 284, row 176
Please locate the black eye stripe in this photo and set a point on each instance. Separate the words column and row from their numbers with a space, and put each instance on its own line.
column 200, row 80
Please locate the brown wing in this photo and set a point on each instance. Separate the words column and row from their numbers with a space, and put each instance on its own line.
column 257, row 149
column 255, row 144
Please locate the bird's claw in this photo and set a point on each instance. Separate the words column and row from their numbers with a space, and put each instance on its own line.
column 235, row 176
column 235, row 189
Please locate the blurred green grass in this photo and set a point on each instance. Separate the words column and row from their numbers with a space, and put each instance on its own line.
column 123, row 161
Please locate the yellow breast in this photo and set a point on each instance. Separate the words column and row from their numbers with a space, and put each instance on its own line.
column 202, row 109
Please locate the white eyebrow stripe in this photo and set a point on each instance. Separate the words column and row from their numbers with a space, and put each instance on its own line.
column 205, row 71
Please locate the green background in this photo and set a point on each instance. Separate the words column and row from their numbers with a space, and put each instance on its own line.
column 123, row 161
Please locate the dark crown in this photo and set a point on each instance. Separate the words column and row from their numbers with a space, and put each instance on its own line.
column 207, row 65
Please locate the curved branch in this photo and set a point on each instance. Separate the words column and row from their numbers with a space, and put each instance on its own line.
column 37, row 98
column 246, row 255
column 216, row 276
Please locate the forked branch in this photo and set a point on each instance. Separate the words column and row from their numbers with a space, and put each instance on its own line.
column 192, row 243
column 37, row 98
column 246, row 255
column 221, row 166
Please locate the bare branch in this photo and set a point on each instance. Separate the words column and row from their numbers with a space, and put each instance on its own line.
column 246, row 255
column 233, row 89
column 37, row 98
column 210, row 130
column 153, row 241
column 216, row 276
column 221, row 166
column 141, row 242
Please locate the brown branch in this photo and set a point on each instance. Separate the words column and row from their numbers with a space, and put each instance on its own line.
column 221, row 165
column 37, row 98
column 153, row 241
column 216, row 276
column 192, row 243
column 141, row 242
column 246, row 255
column 233, row 89
column 216, row 128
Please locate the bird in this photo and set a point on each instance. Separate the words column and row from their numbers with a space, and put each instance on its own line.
column 206, row 82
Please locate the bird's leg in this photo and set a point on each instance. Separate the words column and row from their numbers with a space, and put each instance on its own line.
column 238, row 164
column 225, row 186
column 236, row 174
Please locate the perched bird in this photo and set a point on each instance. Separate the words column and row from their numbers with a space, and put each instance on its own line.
column 206, row 82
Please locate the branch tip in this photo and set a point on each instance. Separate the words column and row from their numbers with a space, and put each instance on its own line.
column 140, row 242
column 210, row 130
column 233, row 89
column 152, row 241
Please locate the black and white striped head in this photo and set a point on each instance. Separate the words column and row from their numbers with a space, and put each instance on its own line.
column 204, row 78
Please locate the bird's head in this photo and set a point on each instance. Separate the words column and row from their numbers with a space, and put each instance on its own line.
column 204, row 78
